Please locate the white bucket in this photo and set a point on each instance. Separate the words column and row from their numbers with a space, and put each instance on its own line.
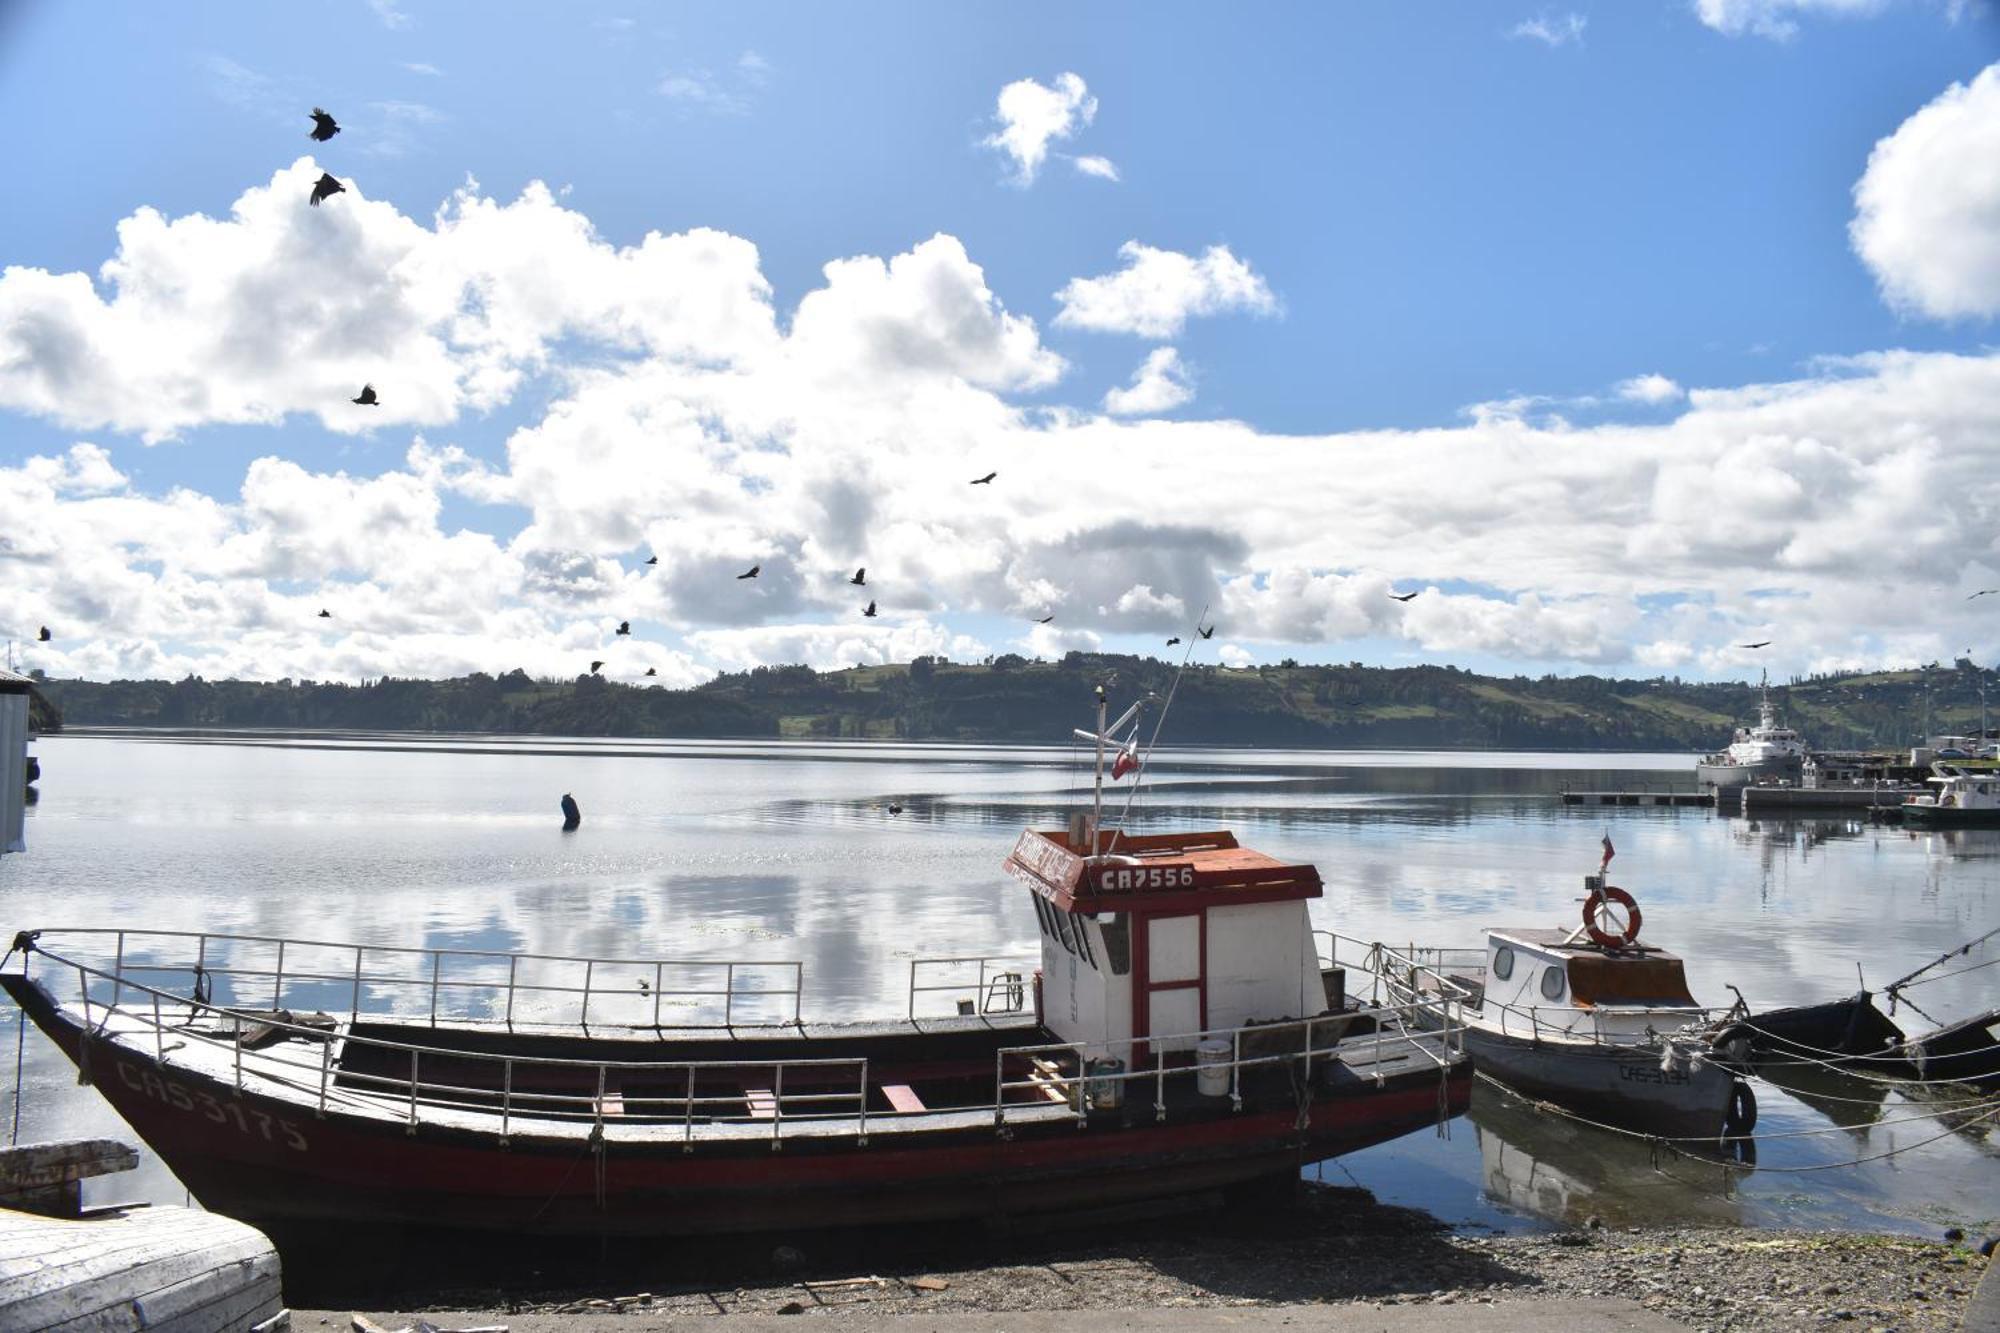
column 1211, row 1060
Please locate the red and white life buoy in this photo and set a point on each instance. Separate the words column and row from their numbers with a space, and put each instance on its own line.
column 1595, row 914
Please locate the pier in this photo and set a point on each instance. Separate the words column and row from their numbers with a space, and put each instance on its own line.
column 1643, row 796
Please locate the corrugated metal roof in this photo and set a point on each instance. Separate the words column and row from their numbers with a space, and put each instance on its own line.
column 13, row 682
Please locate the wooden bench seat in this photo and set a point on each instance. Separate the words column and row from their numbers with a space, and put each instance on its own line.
column 902, row 1097
column 763, row 1103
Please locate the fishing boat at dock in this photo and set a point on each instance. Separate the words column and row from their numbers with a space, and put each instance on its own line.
column 1588, row 1018
column 1964, row 798
column 1178, row 1037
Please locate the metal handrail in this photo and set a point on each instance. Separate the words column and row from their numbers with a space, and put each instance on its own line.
column 980, row 987
column 434, row 982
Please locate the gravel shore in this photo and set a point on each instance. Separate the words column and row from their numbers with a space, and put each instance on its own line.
column 1335, row 1246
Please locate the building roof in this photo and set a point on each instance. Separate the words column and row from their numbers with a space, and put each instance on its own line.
column 13, row 682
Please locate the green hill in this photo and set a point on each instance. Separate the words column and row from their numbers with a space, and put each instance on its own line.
column 1010, row 698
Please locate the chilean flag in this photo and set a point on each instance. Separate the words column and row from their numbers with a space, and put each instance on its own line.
column 1127, row 760
column 1609, row 852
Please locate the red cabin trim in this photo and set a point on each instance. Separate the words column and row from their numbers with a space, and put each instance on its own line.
column 1163, row 873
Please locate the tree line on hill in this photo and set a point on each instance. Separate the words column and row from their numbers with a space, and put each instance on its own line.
column 1010, row 698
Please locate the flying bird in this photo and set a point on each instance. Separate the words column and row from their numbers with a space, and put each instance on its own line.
column 652, row 671
column 860, row 579
column 594, row 666
column 752, row 574
column 1405, row 596
column 43, row 637
column 1984, row 592
column 986, row 480
column 366, row 397
column 1208, row 633
column 324, row 126
column 325, row 188
column 1046, row 619
column 1171, row 642
column 870, row 612
column 652, row 560
column 325, row 614
column 624, row 627
column 643, row 987
column 1765, row 644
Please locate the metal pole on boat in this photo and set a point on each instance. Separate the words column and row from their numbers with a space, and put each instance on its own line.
column 1097, row 778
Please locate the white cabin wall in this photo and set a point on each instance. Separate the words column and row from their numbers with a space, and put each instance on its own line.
column 1258, row 964
column 1085, row 1003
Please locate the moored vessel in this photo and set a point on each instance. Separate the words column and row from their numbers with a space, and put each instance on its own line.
column 1768, row 751
column 1589, row 1018
column 1964, row 797
column 1179, row 1037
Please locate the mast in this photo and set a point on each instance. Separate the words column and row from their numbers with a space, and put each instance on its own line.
column 1097, row 778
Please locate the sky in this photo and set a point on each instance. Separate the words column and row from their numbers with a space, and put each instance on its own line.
column 1621, row 334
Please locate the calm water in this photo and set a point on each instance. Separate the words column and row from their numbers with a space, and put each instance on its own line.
column 773, row 851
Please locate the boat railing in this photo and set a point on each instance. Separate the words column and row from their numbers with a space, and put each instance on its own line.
column 974, row 985
column 1082, row 1074
column 1415, row 969
column 332, row 1068
column 272, row 972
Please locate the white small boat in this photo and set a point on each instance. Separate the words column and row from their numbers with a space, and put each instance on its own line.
column 1589, row 1018
column 1965, row 798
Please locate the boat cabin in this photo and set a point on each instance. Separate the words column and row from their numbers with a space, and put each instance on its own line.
column 1538, row 966
column 1153, row 939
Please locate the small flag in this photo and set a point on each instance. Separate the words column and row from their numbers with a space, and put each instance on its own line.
column 1609, row 852
column 1127, row 760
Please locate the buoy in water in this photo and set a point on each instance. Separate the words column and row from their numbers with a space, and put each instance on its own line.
column 572, row 816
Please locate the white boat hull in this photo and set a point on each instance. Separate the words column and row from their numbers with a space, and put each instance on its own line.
column 1623, row 1086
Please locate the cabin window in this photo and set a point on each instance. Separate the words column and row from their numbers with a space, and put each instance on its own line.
column 1503, row 962
column 1553, row 983
column 1081, row 928
column 1117, row 930
column 1042, row 915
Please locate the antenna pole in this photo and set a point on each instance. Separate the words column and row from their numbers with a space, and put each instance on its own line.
column 1097, row 779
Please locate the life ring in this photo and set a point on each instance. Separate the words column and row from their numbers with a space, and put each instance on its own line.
column 1741, row 1117
column 1596, row 902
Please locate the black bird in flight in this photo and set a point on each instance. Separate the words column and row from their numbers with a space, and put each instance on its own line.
column 652, row 560
column 1046, row 619
column 594, row 666
column 1171, row 642
column 870, row 612
column 1765, row 644
column 1405, row 596
column 860, row 579
column 1984, row 592
column 323, row 128
column 752, row 574
column 652, row 671
column 43, row 637
column 624, row 627
column 643, row 987
column 986, row 480
column 366, row 397
column 325, row 188
column 325, row 614
column 1208, row 633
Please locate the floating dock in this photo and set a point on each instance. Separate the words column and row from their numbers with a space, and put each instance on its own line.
column 1773, row 800
column 1653, row 796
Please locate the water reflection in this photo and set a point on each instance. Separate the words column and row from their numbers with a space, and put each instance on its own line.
column 781, row 852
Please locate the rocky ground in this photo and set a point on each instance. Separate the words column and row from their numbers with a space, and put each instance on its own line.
column 1336, row 1246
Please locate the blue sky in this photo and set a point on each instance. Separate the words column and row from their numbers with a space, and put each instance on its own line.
column 1446, row 205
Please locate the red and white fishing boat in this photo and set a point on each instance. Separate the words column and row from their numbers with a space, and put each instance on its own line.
column 1179, row 1036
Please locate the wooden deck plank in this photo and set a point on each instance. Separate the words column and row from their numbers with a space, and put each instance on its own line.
column 903, row 1098
column 763, row 1104
column 169, row 1269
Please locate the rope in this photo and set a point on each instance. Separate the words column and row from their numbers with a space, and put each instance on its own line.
column 1946, row 976
column 1661, row 1143
column 20, row 1041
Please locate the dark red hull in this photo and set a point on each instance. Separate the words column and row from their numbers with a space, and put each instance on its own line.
column 263, row 1159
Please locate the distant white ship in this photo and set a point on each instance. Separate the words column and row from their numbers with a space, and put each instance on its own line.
column 1756, row 754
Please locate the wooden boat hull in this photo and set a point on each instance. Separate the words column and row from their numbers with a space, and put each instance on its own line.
column 1622, row 1086
column 267, row 1160
column 170, row 1270
column 1853, row 1026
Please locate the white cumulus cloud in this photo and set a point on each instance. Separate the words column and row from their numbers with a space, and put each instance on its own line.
column 1777, row 19
column 1158, row 291
column 1101, row 167
column 1552, row 30
column 1031, row 115
column 1160, row 384
column 1927, row 209
column 1654, row 389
